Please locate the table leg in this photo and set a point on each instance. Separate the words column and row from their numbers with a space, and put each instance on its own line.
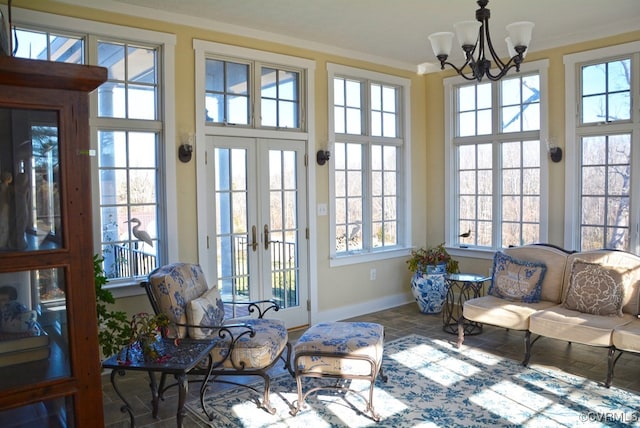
column 155, row 396
column 126, row 407
column 183, row 389
column 204, row 386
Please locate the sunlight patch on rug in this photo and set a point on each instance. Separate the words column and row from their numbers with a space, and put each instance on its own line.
column 434, row 384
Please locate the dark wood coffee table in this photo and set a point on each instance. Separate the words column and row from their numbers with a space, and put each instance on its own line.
column 178, row 360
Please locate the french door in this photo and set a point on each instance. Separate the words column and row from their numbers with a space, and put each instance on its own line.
column 257, row 193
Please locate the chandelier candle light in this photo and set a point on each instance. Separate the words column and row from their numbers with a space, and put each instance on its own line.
column 472, row 36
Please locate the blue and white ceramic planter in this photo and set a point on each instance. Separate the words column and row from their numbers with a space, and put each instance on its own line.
column 430, row 289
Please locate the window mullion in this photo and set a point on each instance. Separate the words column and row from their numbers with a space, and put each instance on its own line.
column 496, row 218
column 367, row 200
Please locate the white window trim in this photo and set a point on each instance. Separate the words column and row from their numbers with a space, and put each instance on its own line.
column 404, row 200
column 541, row 66
column 168, row 158
column 572, row 136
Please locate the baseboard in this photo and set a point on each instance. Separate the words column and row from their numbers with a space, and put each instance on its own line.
column 363, row 308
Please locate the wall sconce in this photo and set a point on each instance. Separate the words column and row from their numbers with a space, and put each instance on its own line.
column 186, row 148
column 555, row 152
column 323, row 156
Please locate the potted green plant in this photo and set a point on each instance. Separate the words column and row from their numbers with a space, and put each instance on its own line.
column 432, row 260
column 114, row 328
column 429, row 265
column 146, row 331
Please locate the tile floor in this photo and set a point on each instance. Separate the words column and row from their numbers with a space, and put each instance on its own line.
column 398, row 322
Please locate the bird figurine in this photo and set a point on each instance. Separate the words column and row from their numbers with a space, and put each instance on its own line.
column 466, row 234
column 142, row 235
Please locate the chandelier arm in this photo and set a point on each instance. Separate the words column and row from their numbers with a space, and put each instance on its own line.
column 460, row 70
column 494, row 55
column 513, row 63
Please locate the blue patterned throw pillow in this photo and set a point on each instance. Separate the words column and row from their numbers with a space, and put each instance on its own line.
column 516, row 280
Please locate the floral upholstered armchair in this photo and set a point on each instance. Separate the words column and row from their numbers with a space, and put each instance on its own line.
column 244, row 346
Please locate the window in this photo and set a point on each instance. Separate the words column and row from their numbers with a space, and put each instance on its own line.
column 49, row 46
column 602, row 133
column 129, row 125
column 496, row 193
column 128, row 158
column 229, row 99
column 368, row 126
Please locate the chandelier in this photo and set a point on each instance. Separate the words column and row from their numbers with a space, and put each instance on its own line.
column 475, row 40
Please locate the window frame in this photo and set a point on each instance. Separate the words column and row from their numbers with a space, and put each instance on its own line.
column 495, row 138
column 166, row 163
column 575, row 130
column 403, row 141
column 254, row 92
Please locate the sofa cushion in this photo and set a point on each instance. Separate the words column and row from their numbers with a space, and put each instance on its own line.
column 516, row 280
column 502, row 313
column 206, row 310
column 565, row 324
column 627, row 337
column 554, row 258
column 594, row 289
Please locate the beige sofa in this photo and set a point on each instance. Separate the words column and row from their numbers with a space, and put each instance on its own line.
column 566, row 276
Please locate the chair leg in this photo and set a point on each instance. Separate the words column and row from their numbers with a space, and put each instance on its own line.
column 610, row 364
column 460, row 331
column 266, row 404
column 287, row 360
column 527, row 348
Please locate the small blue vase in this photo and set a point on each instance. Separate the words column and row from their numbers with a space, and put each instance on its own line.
column 430, row 289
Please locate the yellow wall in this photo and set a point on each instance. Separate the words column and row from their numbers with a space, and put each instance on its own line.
column 347, row 286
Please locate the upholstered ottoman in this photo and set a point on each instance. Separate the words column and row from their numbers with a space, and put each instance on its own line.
column 340, row 350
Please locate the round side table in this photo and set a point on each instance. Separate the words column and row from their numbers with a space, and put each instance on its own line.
column 460, row 288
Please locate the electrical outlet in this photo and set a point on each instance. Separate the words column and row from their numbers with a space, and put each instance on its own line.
column 372, row 274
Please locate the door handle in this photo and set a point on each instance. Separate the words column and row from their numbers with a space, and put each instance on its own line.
column 254, row 243
column 266, row 237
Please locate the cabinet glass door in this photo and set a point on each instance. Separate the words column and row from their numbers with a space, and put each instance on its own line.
column 29, row 180
column 34, row 335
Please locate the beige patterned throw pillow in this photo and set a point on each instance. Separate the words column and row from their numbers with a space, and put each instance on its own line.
column 207, row 310
column 595, row 289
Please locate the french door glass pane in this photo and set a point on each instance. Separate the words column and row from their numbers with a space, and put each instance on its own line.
column 232, row 223
column 283, row 225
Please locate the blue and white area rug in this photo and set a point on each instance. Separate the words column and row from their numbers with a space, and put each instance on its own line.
column 433, row 384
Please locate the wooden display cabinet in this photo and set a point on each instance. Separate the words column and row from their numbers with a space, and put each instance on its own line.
column 49, row 357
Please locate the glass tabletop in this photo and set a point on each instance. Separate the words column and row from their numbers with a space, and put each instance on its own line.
column 466, row 277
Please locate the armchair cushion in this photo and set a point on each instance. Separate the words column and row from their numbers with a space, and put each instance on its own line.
column 255, row 352
column 173, row 287
column 207, row 310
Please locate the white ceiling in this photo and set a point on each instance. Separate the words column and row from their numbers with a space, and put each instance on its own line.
column 387, row 31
